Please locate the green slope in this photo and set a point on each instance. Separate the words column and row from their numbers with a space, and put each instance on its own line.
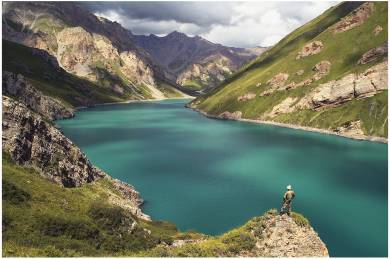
column 343, row 50
column 41, row 218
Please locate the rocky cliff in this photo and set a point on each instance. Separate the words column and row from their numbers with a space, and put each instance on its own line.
column 269, row 235
column 330, row 74
column 195, row 62
column 16, row 86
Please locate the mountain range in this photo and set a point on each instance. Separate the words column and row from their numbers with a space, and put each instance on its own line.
column 110, row 56
column 195, row 62
column 328, row 75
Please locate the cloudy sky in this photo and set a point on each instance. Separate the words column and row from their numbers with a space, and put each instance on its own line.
column 237, row 24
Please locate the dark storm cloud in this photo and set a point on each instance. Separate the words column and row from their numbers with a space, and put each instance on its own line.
column 199, row 13
column 238, row 24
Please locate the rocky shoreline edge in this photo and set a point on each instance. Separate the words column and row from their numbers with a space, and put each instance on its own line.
column 292, row 126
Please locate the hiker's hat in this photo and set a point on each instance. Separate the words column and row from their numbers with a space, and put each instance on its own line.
column 289, row 187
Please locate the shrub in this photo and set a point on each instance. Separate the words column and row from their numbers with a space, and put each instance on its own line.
column 73, row 228
column 237, row 241
column 300, row 219
column 14, row 194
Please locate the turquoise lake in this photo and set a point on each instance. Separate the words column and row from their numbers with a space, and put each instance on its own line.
column 213, row 175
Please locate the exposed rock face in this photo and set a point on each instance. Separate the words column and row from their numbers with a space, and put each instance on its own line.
column 96, row 49
column 353, row 128
column 358, row 17
column 322, row 67
column 208, row 73
column 281, row 236
column 377, row 30
column 130, row 194
column 34, row 142
column 19, row 88
column 278, row 80
column 374, row 54
column 230, row 115
column 309, row 49
column 246, row 97
column 286, row 106
column 334, row 92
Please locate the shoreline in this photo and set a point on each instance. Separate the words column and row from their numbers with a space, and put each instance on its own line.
column 298, row 127
column 131, row 101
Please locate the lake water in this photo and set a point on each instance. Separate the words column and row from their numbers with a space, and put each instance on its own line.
column 212, row 175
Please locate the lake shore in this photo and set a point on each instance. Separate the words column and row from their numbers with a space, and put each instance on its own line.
column 133, row 101
column 298, row 127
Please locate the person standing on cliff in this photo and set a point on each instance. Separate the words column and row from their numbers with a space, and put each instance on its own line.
column 287, row 199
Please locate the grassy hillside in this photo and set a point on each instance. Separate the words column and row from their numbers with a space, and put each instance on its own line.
column 41, row 218
column 343, row 50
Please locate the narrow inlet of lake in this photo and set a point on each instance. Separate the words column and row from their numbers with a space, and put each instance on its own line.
column 212, row 175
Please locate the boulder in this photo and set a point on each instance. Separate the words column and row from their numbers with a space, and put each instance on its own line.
column 230, row 115
column 246, row 97
column 278, row 80
column 286, row 106
column 309, row 49
column 322, row 67
column 378, row 29
column 353, row 128
column 373, row 54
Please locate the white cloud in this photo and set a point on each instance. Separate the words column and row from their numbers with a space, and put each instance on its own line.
column 238, row 24
column 264, row 23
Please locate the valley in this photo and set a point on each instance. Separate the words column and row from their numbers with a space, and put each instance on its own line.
column 129, row 140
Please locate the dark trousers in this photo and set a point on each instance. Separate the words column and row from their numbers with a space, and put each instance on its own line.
column 286, row 208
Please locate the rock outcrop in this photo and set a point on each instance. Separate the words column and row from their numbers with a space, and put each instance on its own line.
column 286, row 106
column 246, row 97
column 269, row 235
column 130, row 194
column 356, row 18
column 309, row 49
column 377, row 30
column 278, row 80
column 335, row 92
column 230, row 115
column 374, row 54
column 323, row 67
column 32, row 141
column 19, row 88
column 353, row 128
column 281, row 236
